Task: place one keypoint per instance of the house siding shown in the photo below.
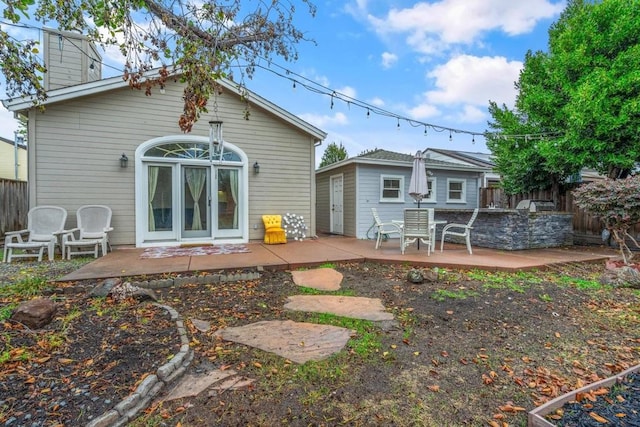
(79, 144)
(323, 199)
(69, 57)
(369, 194)
(8, 161)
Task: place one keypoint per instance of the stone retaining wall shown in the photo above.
(510, 229)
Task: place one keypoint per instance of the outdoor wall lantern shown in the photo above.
(256, 168)
(124, 160)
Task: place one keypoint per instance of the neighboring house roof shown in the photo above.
(12, 143)
(112, 83)
(478, 159)
(387, 158)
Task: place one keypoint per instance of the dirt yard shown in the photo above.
(469, 348)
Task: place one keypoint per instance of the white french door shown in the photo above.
(187, 192)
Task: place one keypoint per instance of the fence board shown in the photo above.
(14, 205)
(583, 223)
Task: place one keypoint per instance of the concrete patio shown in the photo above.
(124, 262)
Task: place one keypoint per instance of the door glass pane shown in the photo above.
(160, 198)
(228, 199)
(196, 197)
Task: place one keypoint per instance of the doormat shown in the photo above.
(171, 251)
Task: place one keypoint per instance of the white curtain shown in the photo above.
(196, 178)
(153, 183)
(233, 181)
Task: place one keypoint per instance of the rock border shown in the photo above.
(129, 408)
(175, 281)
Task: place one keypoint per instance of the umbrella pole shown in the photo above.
(418, 237)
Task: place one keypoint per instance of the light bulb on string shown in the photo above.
(368, 113)
(294, 85)
(473, 139)
(332, 101)
(450, 137)
(425, 131)
(398, 127)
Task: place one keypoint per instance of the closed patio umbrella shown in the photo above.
(418, 186)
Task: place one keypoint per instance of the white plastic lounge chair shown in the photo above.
(91, 234)
(44, 226)
(383, 228)
(460, 230)
(416, 227)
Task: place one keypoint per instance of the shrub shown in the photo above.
(617, 204)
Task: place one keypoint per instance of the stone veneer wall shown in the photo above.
(511, 229)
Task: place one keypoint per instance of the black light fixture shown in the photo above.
(256, 168)
(124, 160)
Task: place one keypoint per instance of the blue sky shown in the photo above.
(435, 62)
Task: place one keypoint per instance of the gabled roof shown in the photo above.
(381, 157)
(478, 159)
(112, 83)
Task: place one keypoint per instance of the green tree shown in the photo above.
(333, 154)
(584, 92)
(200, 40)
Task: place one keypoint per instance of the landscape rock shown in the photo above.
(122, 291)
(415, 276)
(35, 313)
(102, 289)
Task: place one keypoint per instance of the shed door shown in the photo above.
(337, 215)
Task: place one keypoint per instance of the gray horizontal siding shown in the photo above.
(79, 144)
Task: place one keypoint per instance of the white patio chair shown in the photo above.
(383, 228)
(44, 226)
(91, 234)
(460, 230)
(416, 227)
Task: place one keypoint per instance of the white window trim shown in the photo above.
(432, 198)
(463, 192)
(400, 198)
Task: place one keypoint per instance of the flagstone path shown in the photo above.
(298, 342)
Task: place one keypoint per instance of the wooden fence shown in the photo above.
(586, 228)
(14, 205)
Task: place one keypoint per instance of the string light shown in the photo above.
(319, 89)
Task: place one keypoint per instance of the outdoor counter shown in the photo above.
(511, 229)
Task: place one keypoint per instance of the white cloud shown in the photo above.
(472, 114)
(474, 80)
(348, 91)
(424, 111)
(437, 26)
(378, 102)
(388, 59)
(324, 120)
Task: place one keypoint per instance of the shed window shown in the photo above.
(456, 191)
(431, 194)
(391, 188)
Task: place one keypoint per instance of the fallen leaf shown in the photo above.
(598, 418)
(435, 388)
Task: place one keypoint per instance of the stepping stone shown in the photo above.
(353, 307)
(234, 383)
(192, 385)
(296, 341)
(323, 279)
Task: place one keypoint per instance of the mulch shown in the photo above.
(88, 359)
